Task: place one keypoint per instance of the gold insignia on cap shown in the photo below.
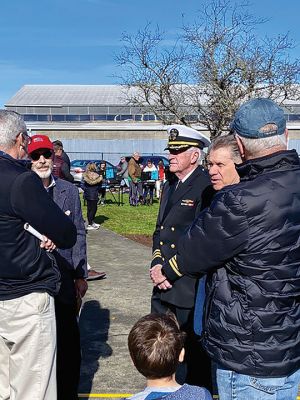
(173, 134)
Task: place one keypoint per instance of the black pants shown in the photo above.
(102, 193)
(68, 351)
(196, 368)
(91, 210)
(148, 188)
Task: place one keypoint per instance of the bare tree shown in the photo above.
(152, 71)
(215, 64)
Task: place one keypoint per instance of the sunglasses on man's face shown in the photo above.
(46, 154)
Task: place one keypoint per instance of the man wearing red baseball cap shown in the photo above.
(73, 268)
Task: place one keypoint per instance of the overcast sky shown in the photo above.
(74, 41)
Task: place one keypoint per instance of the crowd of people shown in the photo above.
(225, 307)
(142, 181)
(243, 252)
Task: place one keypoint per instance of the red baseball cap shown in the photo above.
(39, 142)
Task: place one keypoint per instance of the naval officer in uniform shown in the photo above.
(182, 200)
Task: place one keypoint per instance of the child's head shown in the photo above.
(155, 343)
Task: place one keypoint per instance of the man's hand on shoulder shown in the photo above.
(158, 278)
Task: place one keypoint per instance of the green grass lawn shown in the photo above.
(126, 220)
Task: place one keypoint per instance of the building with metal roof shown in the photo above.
(98, 119)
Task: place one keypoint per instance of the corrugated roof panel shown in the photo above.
(85, 95)
(45, 95)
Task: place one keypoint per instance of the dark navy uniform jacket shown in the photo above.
(178, 209)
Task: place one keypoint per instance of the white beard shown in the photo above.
(38, 166)
(42, 174)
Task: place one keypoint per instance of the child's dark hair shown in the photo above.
(155, 343)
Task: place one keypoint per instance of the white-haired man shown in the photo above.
(134, 178)
(72, 264)
(182, 200)
(29, 277)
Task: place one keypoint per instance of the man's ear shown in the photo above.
(195, 157)
(19, 138)
(241, 147)
(181, 355)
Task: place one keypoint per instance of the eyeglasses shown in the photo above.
(46, 154)
(26, 137)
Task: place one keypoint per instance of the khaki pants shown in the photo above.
(28, 348)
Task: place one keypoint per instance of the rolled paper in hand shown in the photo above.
(33, 231)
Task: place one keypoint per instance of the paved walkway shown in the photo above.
(110, 309)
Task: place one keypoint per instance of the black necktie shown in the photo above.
(179, 183)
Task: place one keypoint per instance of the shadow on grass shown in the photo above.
(94, 327)
(100, 219)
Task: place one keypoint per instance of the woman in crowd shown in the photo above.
(149, 186)
(91, 185)
(102, 191)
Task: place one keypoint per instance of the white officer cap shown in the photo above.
(181, 137)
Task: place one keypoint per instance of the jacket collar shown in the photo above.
(282, 160)
(178, 194)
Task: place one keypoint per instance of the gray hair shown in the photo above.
(229, 142)
(255, 146)
(200, 152)
(11, 124)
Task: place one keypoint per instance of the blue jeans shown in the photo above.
(234, 386)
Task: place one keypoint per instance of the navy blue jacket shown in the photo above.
(25, 267)
(248, 241)
(177, 211)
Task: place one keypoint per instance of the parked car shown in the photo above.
(78, 168)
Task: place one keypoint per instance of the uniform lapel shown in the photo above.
(179, 193)
(169, 189)
(59, 195)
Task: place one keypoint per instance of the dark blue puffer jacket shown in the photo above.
(248, 242)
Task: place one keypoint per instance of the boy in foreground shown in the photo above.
(156, 347)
